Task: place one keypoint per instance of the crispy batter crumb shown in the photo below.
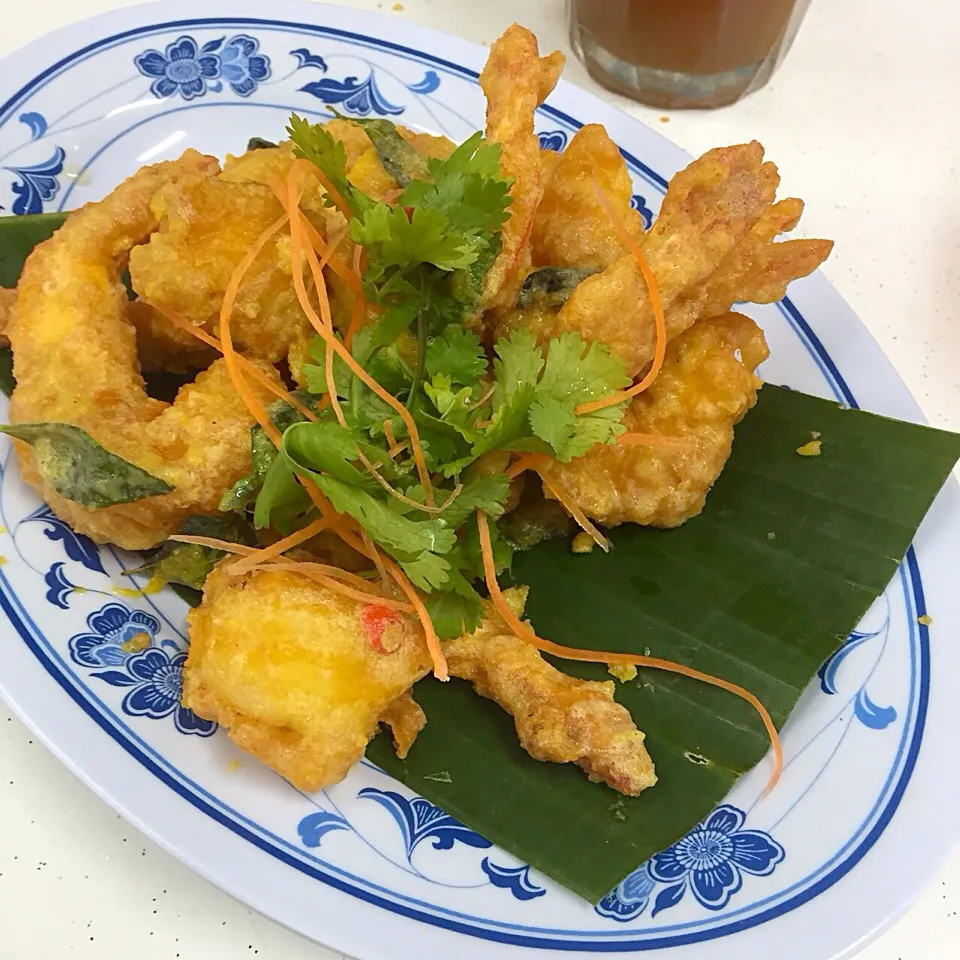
(926, 620)
(664, 119)
(810, 449)
(582, 543)
(398, 7)
(624, 672)
(816, 434)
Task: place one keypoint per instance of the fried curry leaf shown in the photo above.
(189, 564)
(398, 158)
(80, 469)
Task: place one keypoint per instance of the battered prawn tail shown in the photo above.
(75, 362)
(515, 81)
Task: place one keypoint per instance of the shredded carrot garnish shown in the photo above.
(656, 304)
(333, 343)
(352, 281)
(529, 461)
(578, 515)
(388, 433)
(230, 356)
(313, 572)
(651, 440)
(525, 632)
(251, 368)
(397, 448)
(374, 555)
(433, 642)
(358, 310)
(281, 546)
(227, 546)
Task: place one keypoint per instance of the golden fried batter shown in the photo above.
(287, 667)
(757, 270)
(206, 228)
(559, 718)
(515, 81)
(75, 361)
(709, 206)
(571, 228)
(705, 387)
(7, 296)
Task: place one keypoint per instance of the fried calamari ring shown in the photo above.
(75, 362)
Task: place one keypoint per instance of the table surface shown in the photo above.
(861, 104)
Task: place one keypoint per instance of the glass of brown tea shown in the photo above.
(684, 53)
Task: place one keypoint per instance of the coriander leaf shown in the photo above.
(396, 318)
(577, 372)
(314, 141)
(281, 499)
(453, 405)
(466, 556)
(395, 237)
(457, 354)
(386, 526)
(315, 374)
(488, 494)
(569, 435)
(245, 490)
(519, 362)
(428, 571)
(509, 422)
(80, 469)
(262, 454)
(467, 186)
(454, 614)
(323, 447)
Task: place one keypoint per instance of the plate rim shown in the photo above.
(318, 10)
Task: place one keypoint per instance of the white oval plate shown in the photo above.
(866, 809)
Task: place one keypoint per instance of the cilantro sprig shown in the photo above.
(426, 255)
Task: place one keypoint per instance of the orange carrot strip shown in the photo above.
(227, 546)
(388, 433)
(230, 356)
(656, 303)
(526, 633)
(310, 571)
(358, 310)
(433, 642)
(578, 515)
(375, 556)
(529, 461)
(251, 368)
(279, 547)
(440, 670)
(333, 343)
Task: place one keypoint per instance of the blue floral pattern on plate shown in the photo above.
(552, 140)
(36, 183)
(181, 68)
(187, 69)
(711, 859)
(355, 97)
(123, 642)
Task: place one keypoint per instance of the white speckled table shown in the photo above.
(861, 121)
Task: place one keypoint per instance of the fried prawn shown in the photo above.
(75, 362)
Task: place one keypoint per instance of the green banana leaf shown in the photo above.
(759, 589)
(783, 562)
